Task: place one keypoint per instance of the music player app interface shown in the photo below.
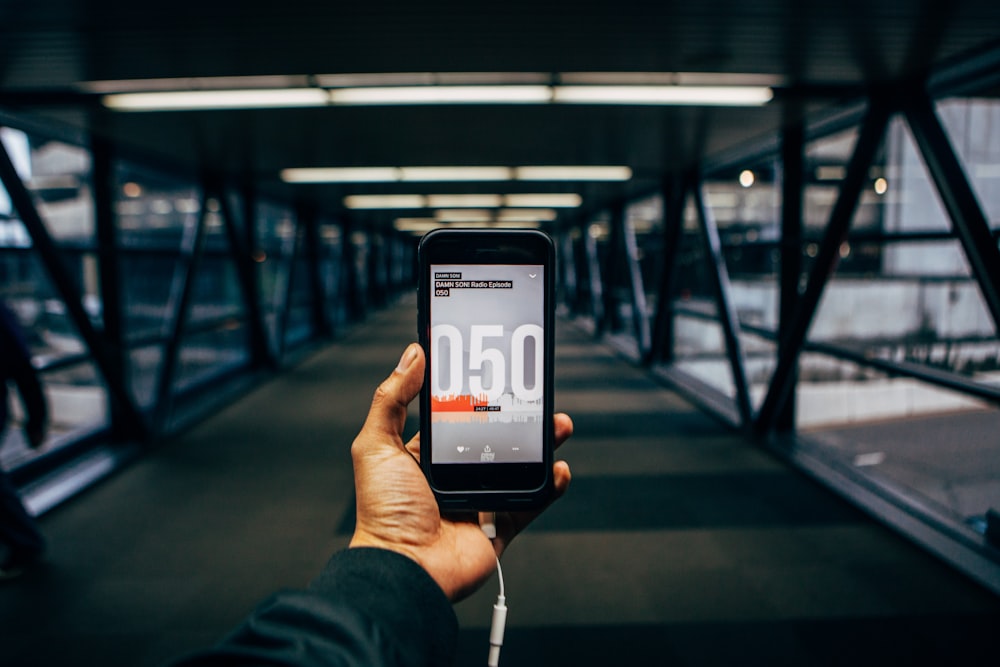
(487, 372)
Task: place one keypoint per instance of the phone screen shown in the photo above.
(487, 372)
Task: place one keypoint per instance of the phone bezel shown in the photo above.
(488, 486)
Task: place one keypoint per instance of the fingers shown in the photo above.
(387, 414)
(563, 428)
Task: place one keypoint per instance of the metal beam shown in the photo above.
(614, 257)
(792, 184)
(594, 279)
(661, 345)
(567, 266)
(321, 323)
(246, 272)
(959, 199)
(125, 423)
(782, 382)
(286, 310)
(724, 303)
(68, 290)
(640, 318)
(192, 245)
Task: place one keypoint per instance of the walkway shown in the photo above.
(678, 542)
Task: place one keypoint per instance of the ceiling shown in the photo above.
(823, 51)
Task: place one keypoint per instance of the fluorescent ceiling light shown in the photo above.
(418, 225)
(463, 215)
(555, 200)
(382, 79)
(670, 79)
(384, 201)
(419, 88)
(442, 95)
(184, 84)
(429, 174)
(665, 95)
(517, 224)
(464, 201)
(341, 175)
(573, 173)
(482, 201)
(527, 215)
(217, 99)
(469, 174)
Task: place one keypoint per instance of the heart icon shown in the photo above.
(461, 449)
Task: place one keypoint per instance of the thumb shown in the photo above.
(387, 414)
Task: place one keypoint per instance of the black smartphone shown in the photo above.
(485, 319)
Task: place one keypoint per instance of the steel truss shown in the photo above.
(774, 422)
(131, 426)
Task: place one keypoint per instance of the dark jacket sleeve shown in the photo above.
(368, 607)
(16, 365)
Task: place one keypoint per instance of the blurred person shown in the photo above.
(21, 543)
(386, 599)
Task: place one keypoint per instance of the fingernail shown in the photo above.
(409, 355)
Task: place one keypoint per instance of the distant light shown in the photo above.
(422, 88)
(132, 190)
(384, 201)
(401, 95)
(482, 201)
(429, 174)
(517, 224)
(665, 95)
(191, 100)
(415, 225)
(464, 201)
(747, 178)
(344, 175)
(456, 174)
(671, 79)
(463, 215)
(527, 215)
(881, 186)
(573, 173)
(554, 200)
(845, 250)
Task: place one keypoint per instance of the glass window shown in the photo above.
(901, 296)
(973, 124)
(276, 233)
(57, 175)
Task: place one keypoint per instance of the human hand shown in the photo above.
(396, 509)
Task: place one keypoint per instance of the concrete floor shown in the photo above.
(678, 542)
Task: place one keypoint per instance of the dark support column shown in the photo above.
(349, 275)
(594, 277)
(959, 199)
(636, 288)
(661, 349)
(286, 307)
(567, 261)
(123, 426)
(728, 318)
(792, 174)
(68, 291)
(321, 323)
(782, 382)
(180, 298)
(614, 258)
(241, 250)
